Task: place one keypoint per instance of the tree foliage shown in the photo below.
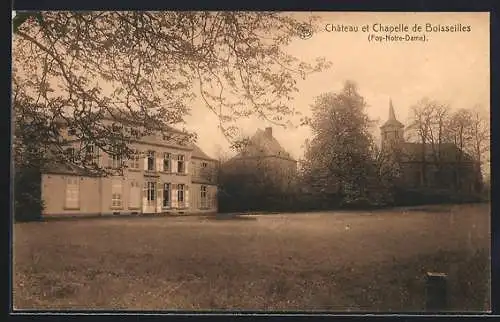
(81, 66)
(340, 153)
(434, 123)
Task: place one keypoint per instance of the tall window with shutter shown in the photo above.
(203, 197)
(134, 160)
(181, 195)
(151, 161)
(166, 162)
(150, 192)
(181, 164)
(72, 193)
(116, 161)
(92, 154)
(116, 194)
(166, 195)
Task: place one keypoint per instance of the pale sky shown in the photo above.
(452, 67)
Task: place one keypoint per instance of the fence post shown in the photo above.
(436, 291)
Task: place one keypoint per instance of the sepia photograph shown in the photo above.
(251, 161)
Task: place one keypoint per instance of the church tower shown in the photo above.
(392, 131)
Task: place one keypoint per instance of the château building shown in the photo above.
(259, 175)
(163, 176)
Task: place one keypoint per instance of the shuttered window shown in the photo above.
(166, 195)
(116, 194)
(180, 194)
(134, 159)
(72, 193)
(181, 164)
(151, 192)
(151, 161)
(204, 201)
(116, 161)
(166, 162)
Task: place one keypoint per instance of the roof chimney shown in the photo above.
(269, 131)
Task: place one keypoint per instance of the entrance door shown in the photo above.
(149, 198)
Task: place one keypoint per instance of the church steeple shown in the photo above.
(392, 130)
(392, 115)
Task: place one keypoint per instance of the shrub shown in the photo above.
(28, 203)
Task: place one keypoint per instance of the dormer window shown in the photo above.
(71, 154)
(115, 128)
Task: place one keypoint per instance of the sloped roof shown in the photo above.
(263, 144)
(199, 154)
(66, 168)
(125, 116)
(449, 152)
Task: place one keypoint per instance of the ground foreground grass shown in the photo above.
(340, 261)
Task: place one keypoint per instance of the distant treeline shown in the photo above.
(297, 202)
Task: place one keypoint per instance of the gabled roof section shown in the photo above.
(263, 143)
(199, 154)
(67, 169)
(128, 117)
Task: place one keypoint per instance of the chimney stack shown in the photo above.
(269, 131)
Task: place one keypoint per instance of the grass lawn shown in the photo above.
(371, 261)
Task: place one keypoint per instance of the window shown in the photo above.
(151, 160)
(116, 128)
(71, 154)
(180, 194)
(134, 159)
(204, 164)
(116, 194)
(116, 161)
(134, 133)
(72, 193)
(166, 162)
(166, 195)
(92, 154)
(203, 197)
(151, 192)
(180, 164)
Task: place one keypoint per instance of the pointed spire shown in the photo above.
(392, 121)
(392, 115)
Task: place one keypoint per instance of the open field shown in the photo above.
(370, 261)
